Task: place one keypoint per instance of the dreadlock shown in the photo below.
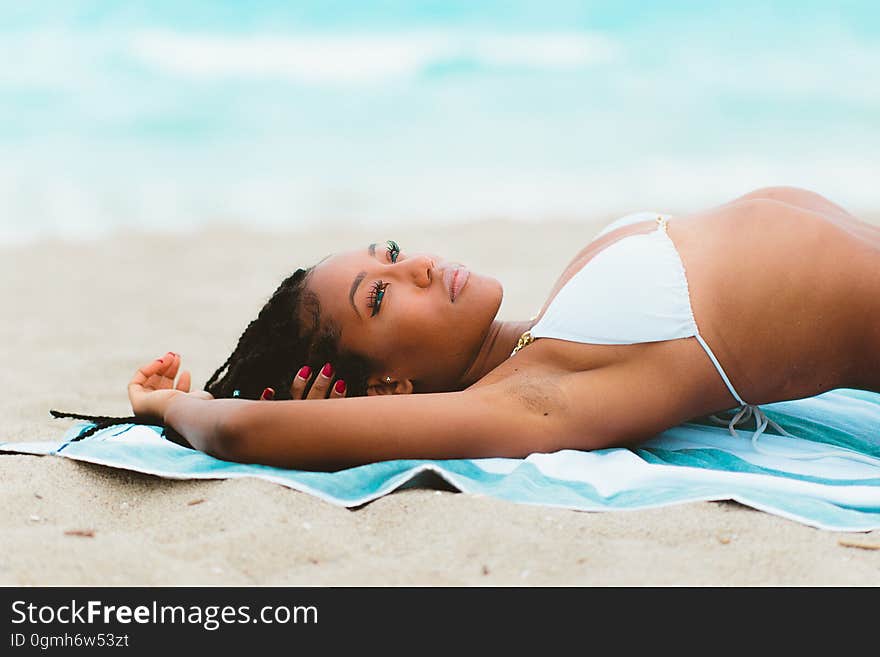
(100, 422)
(287, 334)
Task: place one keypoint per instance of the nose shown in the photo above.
(420, 268)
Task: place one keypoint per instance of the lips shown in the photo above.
(455, 278)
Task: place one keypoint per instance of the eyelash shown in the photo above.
(393, 249)
(375, 299)
(377, 291)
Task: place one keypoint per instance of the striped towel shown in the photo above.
(839, 490)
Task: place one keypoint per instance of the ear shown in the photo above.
(378, 385)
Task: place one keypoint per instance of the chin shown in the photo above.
(488, 294)
(478, 286)
(496, 288)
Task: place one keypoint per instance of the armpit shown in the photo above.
(538, 394)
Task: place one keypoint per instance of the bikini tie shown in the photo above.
(746, 411)
(761, 421)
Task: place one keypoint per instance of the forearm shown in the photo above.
(202, 422)
(303, 433)
(333, 434)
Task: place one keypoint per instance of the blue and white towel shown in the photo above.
(692, 462)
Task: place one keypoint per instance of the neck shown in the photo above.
(499, 342)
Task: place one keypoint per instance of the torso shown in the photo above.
(782, 296)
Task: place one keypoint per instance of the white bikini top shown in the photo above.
(635, 290)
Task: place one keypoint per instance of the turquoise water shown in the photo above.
(170, 115)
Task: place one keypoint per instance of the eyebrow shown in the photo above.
(357, 280)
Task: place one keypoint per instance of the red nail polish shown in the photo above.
(268, 393)
(327, 370)
(339, 387)
(304, 372)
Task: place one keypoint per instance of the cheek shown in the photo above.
(420, 323)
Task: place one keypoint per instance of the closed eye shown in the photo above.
(377, 292)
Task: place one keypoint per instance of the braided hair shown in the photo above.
(288, 333)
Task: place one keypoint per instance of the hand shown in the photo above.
(320, 387)
(152, 387)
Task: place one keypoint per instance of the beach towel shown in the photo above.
(696, 461)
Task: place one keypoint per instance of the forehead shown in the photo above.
(336, 268)
(331, 282)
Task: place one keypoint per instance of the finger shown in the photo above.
(300, 381)
(322, 383)
(268, 394)
(152, 368)
(172, 369)
(338, 389)
(184, 382)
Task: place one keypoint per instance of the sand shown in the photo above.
(77, 319)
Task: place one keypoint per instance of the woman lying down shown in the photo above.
(660, 319)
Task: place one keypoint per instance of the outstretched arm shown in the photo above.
(517, 416)
(332, 433)
(321, 435)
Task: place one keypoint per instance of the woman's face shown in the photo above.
(418, 317)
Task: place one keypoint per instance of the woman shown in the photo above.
(773, 296)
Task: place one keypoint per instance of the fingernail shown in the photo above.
(268, 393)
(304, 372)
(327, 370)
(339, 387)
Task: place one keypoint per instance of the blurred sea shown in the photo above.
(171, 115)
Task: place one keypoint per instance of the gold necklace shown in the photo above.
(524, 339)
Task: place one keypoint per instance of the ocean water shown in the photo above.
(173, 115)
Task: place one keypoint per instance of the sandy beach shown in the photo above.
(79, 318)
